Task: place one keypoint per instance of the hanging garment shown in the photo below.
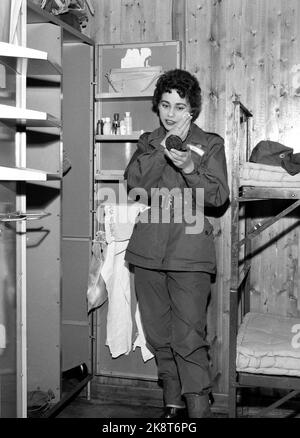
(4, 275)
(73, 12)
(118, 223)
(140, 340)
(67, 166)
(117, 281)
(57, 7)
(96, 293)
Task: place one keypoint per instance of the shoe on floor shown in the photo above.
(173, 412)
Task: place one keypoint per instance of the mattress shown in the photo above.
(262, 175)
(269, 344)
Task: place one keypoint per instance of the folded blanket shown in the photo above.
(269, 344)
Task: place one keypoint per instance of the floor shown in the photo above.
(137, 401)
(111, 401)
(82, 408)
(111, 404)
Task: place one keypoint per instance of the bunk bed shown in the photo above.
(264, 349)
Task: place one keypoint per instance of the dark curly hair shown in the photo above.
(186, 85)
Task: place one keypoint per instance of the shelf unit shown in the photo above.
(112, 154)
(68, 97)
(35, 171)
(262, 189)
(70, 35)
(34, 74)
(166, 54)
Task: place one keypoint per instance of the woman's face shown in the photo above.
(171, 109)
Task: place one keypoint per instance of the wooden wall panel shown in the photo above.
(205, 57)
(236, 48)
(270, 85)
(290, 71)
(272, 59)
(249, 50)
(205, 42)
(127, 21)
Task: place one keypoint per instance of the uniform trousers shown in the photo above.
(173, 307)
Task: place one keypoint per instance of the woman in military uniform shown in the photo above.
(174, 261)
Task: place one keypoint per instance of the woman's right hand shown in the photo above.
(181, 128)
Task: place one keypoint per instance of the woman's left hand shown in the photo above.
(181, 159)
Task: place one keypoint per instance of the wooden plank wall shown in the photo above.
(205, 57)
(244, 48)
(272, 64)
(269, 87)
(130, 21)
(251, 49)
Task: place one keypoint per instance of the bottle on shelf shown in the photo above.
(100, 125)
(123, 130)
(128, 123)
(107, 126)
(116, 124)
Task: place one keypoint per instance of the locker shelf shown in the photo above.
(134, 136)
(40, 67)
(35, 14)
(24, 174)
(15, 51)
(122, 96)
(39, 61)
(16, 115)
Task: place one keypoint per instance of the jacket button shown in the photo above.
(281, 155)
(206, 232)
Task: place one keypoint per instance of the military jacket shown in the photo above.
(180, 242)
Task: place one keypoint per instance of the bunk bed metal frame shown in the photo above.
(241, 238)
